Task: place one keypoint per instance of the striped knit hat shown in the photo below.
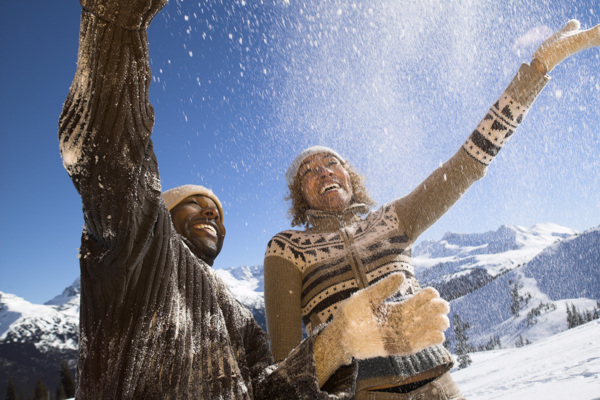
(174, 196)
(293, 168)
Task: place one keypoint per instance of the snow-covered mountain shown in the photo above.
(564, 273)
(51, 325)
(461, 263)
(247, 286)
(547, 266)
(35, 338)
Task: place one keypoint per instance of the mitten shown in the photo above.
(366, 327)
(129, 14)
(565, 43)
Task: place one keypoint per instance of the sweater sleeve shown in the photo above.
(293, 378)
(434, 196)
(283, 287)
(296, 378)
(104, 136)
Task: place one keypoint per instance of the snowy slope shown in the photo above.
(563, 366)
(567, 272)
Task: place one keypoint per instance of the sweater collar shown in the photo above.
(194, 250)
(331, 221)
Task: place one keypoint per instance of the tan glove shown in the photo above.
(129, 14)
(366, 327)
(564, 43)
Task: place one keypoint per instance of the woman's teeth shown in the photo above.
(330, 187)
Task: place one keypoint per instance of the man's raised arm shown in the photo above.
(106, 122)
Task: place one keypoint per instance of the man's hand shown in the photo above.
(564, 43)
(366, 327)
(129, 14)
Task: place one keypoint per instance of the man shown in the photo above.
(197, 216)
(155, 321)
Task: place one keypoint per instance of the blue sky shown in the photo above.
(240, 88)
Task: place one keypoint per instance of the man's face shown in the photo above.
(197, 218)
(325, 183)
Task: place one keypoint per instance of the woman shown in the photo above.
(309, 273)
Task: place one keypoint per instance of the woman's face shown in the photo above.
(325, 183)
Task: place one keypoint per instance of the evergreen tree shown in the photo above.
(40, 393)
(577, 317)
(517, 301)
(462, 347)
(60, 392)
(514, 296)
(11, 391)
(492, 344)
(66, 380)
(520, 342)
(570, 323)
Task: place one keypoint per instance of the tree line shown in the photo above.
(65, 389)
(576, 317)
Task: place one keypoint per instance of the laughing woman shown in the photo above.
(345, 247)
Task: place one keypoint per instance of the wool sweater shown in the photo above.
(155, 321)
(309, 273)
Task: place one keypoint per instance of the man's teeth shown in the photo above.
(206, 227)
(330, 187)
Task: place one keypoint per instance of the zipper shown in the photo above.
(353, 258)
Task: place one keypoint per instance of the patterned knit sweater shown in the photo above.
(155, 321)
(309, 273)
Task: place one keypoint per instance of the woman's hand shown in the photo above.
(374, 328)
(366, 326)
(563, 44)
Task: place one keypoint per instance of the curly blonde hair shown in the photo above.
(299, 204)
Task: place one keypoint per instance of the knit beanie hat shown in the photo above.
(293, 168)
(174, 196)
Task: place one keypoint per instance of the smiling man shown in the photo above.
(197, 216)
